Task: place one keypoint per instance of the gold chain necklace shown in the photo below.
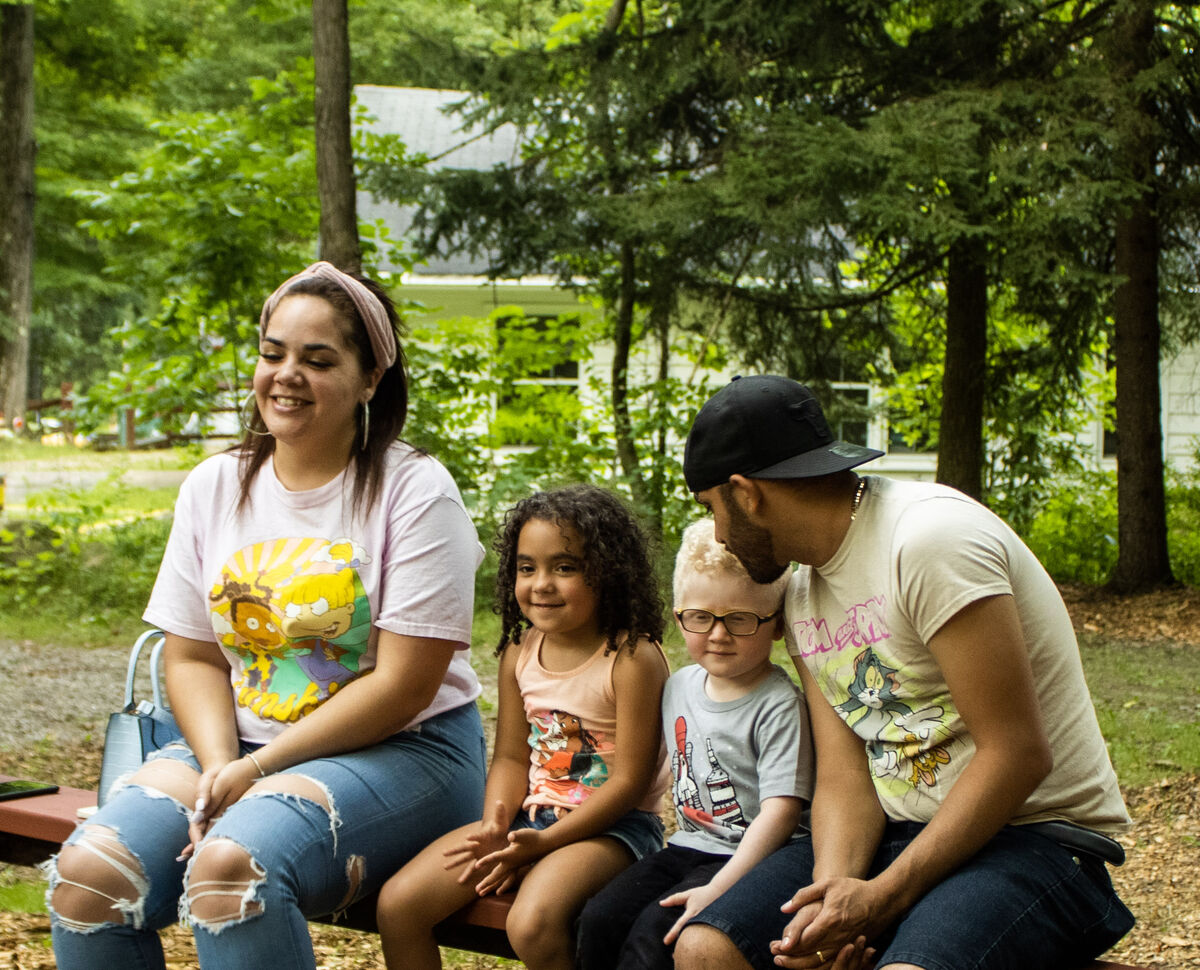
(858, 494)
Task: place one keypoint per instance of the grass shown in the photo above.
(19, 895)
(1147, 700)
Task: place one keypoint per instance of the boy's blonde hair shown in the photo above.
(701, 554)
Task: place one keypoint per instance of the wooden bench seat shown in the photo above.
(32, 829)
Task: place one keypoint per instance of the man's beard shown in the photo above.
(751, 544)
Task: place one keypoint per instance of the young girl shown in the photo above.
(577, 775)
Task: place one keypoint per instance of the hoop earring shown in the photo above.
(246, 423)
(366, 425)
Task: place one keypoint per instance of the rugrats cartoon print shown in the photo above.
(897, 737)
(295, 614)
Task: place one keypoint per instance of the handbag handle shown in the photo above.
(155, 653)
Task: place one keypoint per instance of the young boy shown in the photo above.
(741, 757)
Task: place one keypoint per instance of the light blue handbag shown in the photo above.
(139, 727)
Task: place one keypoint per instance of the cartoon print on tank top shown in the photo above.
(295, 612)
(569, 764)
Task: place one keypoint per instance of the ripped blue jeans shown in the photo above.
(387, 802)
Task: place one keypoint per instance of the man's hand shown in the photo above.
(834, 920)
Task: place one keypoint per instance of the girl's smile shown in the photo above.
(550, 585)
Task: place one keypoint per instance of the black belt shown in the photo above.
(1079, 839)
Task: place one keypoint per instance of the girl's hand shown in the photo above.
(692, 900)
(489, 838)
(219, 787)
(509, 864)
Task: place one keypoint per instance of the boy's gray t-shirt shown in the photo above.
(728, 756)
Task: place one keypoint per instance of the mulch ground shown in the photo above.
(1160, 880)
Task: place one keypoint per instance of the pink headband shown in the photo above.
(379, 327)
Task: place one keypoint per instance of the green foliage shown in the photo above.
(85, 560)
(1075, 532)
(23, 897)
(96, 65)
(1183, 524)
(476, 394)
(227, 205)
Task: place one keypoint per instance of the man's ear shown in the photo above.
(748, 493)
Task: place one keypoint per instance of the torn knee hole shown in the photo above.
(222, 884)
(97, 879)
(288, 784)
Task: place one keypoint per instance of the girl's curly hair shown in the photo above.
(617, 563)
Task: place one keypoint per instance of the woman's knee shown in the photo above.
(222, 885)
(97, 879)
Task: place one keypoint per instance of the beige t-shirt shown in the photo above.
(915, 555)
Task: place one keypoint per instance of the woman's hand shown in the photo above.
(219, 787)
(487, 839)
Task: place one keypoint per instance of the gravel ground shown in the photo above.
(62, 694)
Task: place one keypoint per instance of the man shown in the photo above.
(962, 781)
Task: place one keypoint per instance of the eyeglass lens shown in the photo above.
(739, 624)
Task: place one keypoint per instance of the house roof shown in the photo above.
(424, 120)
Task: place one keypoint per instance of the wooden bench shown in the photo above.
(33, 828)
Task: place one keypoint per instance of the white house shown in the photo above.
(456, 287)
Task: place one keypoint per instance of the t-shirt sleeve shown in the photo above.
(428, 584)
(948, 558)
(784, 746)
(178, 598)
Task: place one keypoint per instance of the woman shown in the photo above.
(320, 550)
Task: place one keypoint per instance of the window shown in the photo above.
(850, 413)
(538, 374)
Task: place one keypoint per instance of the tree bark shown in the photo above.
(17, 151)
(338, 226)
(1142, 557)
(960, 436)
(627, 454)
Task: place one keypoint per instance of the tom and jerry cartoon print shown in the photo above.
(295, 614)
(891, 697)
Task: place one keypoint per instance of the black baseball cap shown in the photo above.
(764, 426)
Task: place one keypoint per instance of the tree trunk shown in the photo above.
(1142, 559)
(338, 226)
(960, 437)
(627, 455)
(17, 150)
